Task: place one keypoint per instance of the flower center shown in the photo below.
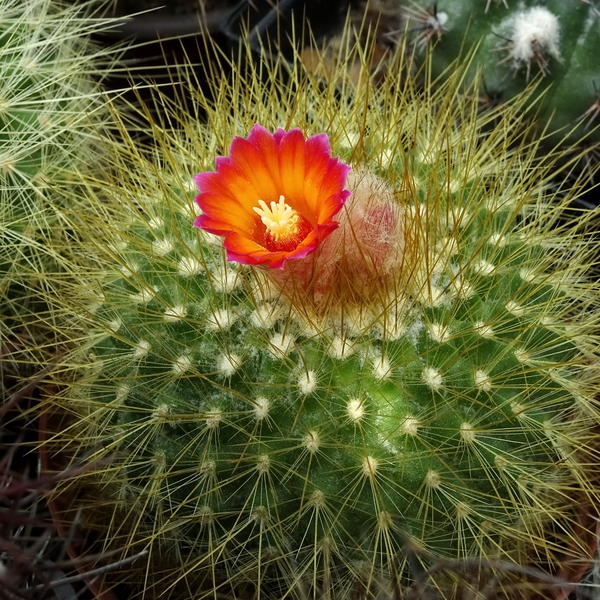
(280, 219)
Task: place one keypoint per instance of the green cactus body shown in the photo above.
(257, 438)
(437, 417)
(515, 43)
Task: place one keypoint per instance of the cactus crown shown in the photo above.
(426, 381)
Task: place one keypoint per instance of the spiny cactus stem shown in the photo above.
(423, 375)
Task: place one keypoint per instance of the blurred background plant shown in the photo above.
(555, 42)
(50, 94)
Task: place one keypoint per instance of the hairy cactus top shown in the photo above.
(422, 383)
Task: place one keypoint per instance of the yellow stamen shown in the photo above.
(280, 219)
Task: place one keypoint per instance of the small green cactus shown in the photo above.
(423, 378)
(516, 42)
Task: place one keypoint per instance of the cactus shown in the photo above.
(48, 89)
(416, 378)
(517, 42)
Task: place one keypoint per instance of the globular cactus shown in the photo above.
(517, 42)
(408, 370)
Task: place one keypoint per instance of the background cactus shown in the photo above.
(49, 110)
(517, 42)
(49, 73)
(272, 441)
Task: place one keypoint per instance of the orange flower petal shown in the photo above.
(234, 183)
(292, 169)
(268, 145)
(249, 160)
(226, 214)
(315, 171)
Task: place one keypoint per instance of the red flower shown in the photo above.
(274, 197)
